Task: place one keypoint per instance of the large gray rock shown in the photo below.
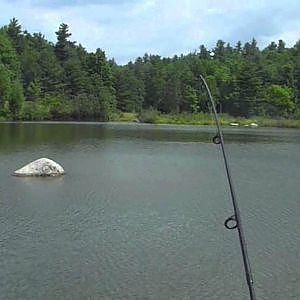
(41, 167)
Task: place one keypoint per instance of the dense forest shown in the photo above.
(41, 80)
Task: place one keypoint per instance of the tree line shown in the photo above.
(41, 80)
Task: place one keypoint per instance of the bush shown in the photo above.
(34, 111)
(4, 111)
(148, 116)
(59, 108)
(124, 117)
(297, 114)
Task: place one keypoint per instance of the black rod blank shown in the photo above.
(236, 218)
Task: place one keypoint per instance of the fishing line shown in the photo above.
(234, 221)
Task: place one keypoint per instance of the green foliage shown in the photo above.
(4, 111)
(172, 91)
(15, 33)
(63, 81)
(107, 103)
(34, 111)
(5, 84)
(280, 100)
(186, 118)
(148, 116)
(16, 99)
(59, 108)
(124, 117)
(75, 78)
(34, 91)
(226, 120)
(296, 115)
(154, 80)
(129, 90)
(8, 56)
(190, 99)
(84, 108)
(62, 45)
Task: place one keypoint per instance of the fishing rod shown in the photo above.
(233, 221)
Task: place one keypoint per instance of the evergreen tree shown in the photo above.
(249, 90)
(130, 91)
(220, 50)
(238, 48)
(14, 31)
(52, 75)
(154, 82)
(76, 79)
(172, 95)
(62, 45)
(65, 81)
(16, 99)
(204, 53)
(281, 46)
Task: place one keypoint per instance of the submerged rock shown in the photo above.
(41, 167)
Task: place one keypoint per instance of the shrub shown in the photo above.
(124, 117)
(4, 111)
(59, 108)
(148, 116)
(34, 111)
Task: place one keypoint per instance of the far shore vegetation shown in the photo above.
(62, 81)
(155, 117)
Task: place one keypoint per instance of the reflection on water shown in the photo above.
(61, 133)
(139, 214)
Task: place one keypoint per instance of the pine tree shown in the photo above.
(130, 91)
(16, 99)
(14, 31)
(203, 53)
(154, 82)
(220, 50)
(171, 97)
(249, 90)
(62, 45)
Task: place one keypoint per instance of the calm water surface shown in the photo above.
(140, 212)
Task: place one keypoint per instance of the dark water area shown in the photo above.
(140, 212)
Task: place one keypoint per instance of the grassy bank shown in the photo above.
(153, 117)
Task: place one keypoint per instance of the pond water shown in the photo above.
(140, 212)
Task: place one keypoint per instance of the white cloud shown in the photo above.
(127, 29)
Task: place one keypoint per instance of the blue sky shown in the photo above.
(126, 29)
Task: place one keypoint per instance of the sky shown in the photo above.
(126, 29)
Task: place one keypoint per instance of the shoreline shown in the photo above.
(203, 119)
(183, 119)
(73, 122)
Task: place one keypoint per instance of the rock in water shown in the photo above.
(41, 167)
